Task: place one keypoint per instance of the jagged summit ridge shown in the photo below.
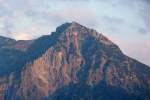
(80, 31)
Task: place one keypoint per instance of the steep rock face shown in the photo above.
(77, 63)
(8, 86)
(83, 57)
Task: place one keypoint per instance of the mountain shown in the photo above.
(73, 63)
(6, 41)
(10, 53)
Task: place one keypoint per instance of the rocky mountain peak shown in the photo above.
(73, 63)
(74, 29)
(75, 24)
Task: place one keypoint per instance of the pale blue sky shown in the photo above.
(125, 22)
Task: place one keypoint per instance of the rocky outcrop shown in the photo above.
(77, 64)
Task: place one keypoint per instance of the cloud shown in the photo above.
(108, 15)
(126, 22)
(77, 13)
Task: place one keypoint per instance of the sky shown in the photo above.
(125, 22)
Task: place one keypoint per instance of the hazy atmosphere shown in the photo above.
(125, 22)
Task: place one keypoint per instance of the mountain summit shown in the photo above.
(73, 63)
